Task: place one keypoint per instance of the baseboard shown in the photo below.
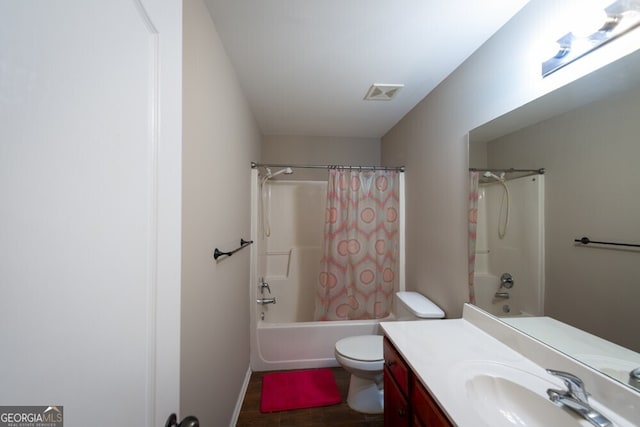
(243, 391)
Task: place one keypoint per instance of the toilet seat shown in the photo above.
(363, 352)
(365, 348)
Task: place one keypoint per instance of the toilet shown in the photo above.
(362, 356)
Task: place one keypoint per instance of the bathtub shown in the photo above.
(304, 345)
(285, 336)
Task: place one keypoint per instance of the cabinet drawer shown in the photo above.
(396, 366)
(425, 409)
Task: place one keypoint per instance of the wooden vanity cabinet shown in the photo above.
(406, 401)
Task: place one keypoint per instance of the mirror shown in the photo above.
(586, 136)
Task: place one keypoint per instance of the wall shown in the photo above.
(431, 140)
(311, 150)
(590, 155)
(220, 138)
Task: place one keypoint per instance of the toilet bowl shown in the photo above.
(362, 355)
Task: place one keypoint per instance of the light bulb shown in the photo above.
(587, 21)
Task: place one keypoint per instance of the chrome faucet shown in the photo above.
(265, 301)
(576, 398)
(501, 295)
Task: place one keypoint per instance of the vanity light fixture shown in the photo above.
(619, 17)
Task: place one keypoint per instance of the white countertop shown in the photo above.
(442, 353)
(439, 351)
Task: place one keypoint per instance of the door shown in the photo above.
(90, 208)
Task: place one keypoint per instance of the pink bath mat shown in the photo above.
(282, 391)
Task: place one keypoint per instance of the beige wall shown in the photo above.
(220, 138)
(312, 150)
(431, 141)
(591, 158)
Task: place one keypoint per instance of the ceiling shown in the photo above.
(305, 66)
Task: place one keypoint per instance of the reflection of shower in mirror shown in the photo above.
(520, 251)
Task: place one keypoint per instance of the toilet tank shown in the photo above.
(415, 306)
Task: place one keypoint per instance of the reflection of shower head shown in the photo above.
(489, 174)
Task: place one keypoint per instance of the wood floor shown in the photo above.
(336, 416)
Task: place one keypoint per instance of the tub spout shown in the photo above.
(264, 301)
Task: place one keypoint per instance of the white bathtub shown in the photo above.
(303, 345)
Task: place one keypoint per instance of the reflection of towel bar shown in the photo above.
(586, 241)
(243, 244)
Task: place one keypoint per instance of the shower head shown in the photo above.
(286, 171)
(268, 175)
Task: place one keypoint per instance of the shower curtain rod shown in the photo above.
(540, 171)
(375, 168)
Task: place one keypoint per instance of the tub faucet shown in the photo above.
(576, 398)
(501, 295)
(265, 301)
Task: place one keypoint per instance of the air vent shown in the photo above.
(382, 92)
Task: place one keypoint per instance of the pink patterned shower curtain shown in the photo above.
(358, 274)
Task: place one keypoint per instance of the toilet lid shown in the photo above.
(367, 348)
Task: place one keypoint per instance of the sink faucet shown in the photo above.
(576, 398)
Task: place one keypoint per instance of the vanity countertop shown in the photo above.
(445, 353)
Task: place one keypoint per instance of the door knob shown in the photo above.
(189, 421)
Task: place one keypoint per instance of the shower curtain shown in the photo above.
(358, 272)
(473, 226)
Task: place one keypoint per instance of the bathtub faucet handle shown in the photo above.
(264, 285)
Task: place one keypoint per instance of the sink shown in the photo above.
(506, 396)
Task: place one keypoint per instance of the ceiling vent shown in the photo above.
(382, 92)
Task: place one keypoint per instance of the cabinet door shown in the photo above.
(396, 408)
(425, 410)
(396, 366)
